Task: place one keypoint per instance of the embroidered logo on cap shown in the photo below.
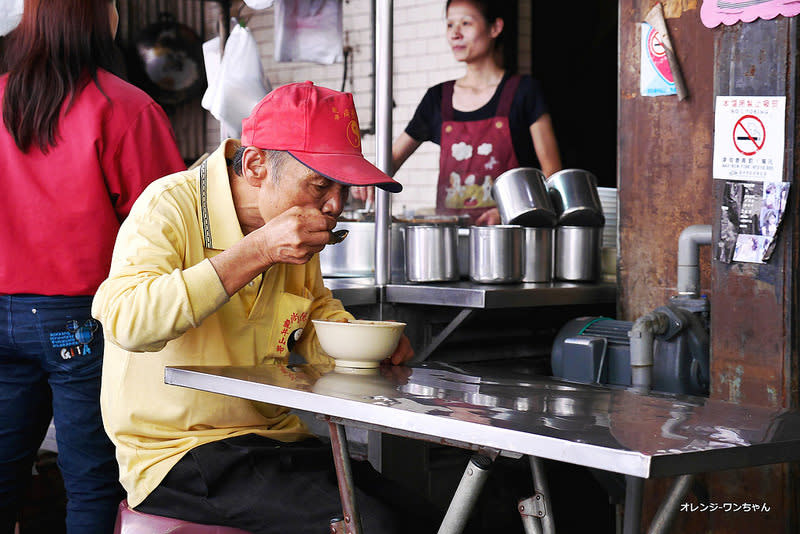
(353, 134)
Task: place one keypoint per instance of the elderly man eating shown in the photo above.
(208, 269)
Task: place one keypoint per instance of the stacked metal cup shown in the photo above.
(579, 225)
(522, 199)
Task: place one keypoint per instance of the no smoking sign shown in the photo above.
(749, 135)
(749, 138)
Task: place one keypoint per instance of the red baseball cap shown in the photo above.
(319, 127)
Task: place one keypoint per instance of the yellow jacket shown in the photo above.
(163, 304)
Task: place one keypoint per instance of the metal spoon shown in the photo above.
(338, 236)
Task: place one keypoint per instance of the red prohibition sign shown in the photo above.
(655, 46)
(754, 133)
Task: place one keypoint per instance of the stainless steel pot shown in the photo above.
(431, 252)
(577, 255)
(463, 252)
(495, 254)
(538, 255)
(355, 256)
(575, 198)
(522, 198)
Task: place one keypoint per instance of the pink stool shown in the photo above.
(129, 521)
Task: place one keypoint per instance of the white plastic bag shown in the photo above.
(308, 30)
(259, 4)
(236, 83)
(10, 15)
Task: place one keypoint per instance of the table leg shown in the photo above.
(540, 488)
(466, 494)
(530, 520)
(634, 488)
(669, 507)
(344, 476)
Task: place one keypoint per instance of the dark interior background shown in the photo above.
(575, 59)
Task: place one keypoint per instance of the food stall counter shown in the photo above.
(467, 294)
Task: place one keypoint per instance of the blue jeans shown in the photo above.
(51, 358)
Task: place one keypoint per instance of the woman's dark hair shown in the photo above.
(56, 49)
(491, 11)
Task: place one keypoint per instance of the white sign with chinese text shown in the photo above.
(749, 137)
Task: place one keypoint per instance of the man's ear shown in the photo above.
(254, 166)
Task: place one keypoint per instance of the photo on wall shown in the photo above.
(750, 218)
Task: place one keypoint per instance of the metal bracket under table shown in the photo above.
(462, 316)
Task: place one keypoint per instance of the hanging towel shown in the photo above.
(237, 82)
(308, 30)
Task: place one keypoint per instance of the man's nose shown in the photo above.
(334, 204)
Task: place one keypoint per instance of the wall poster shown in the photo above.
(751, 213)
(715, 12)
(749, 136)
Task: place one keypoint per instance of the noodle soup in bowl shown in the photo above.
(358, 343)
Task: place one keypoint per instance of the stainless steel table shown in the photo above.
(617, 430)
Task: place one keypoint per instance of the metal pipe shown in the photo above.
(642, 334)
(689, 257)
(634, 489)
(466, 494)
(531, 524)
(669, 506)
(540, 486)
(344, 476)
(383, 137)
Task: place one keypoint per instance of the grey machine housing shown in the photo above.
(597, 350)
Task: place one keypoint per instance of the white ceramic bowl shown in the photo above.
(358, 343)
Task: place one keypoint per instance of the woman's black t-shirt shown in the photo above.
(526, 108)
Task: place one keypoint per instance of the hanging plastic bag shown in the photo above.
(236, 83)
(308, 30)
(10, 15)
(259, 4)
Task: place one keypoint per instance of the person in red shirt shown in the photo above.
(78, 146)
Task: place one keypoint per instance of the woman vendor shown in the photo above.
(486, 122)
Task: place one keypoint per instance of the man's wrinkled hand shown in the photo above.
(402, 353)
(295, 235)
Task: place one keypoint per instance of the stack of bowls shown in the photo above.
(523, 201)
(608, 200)
(580, 224)
(608, 262)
